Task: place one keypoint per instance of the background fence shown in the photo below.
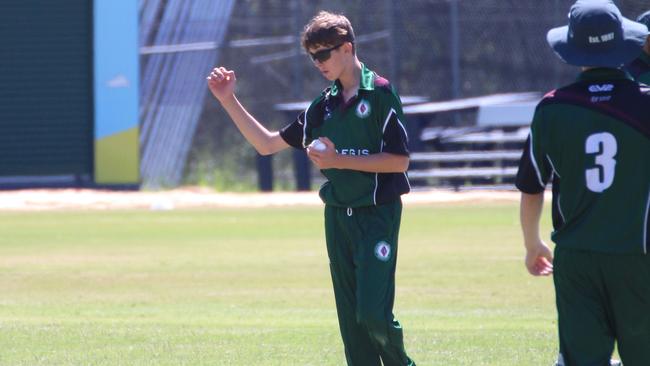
(437, 49)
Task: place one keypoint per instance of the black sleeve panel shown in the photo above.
(528, 176)
(293, 133)
(394, 136)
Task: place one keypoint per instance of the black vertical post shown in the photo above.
(454, 39)
(394, 41)
(455, 49)
(301, 164)
(265, 172)
(302, 168)
(557, 15)
(414, 130)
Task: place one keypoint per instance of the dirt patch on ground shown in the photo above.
(88, 199)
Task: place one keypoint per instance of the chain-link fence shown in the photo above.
(438, 49)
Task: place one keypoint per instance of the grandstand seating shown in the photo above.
(482, 154)
(475, 159)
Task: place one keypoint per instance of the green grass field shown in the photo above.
(252, 287)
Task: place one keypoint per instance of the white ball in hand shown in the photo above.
(317, 145)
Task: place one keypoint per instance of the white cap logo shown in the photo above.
(602, 38)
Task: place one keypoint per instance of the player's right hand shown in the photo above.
(221, 83)
(539, 259)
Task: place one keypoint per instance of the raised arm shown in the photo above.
(221, 83)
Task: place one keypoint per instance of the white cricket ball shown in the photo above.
(317, 145)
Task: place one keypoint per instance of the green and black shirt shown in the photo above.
(369, 123)
(640, 68)
(592, 139)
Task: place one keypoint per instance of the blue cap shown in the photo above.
(644, 19)
(597, 35)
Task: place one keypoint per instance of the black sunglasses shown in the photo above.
(324, 55)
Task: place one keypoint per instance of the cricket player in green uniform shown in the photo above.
(363, 153)
(591, 139)
(640, 68)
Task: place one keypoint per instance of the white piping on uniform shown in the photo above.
(559, 206)
(407, 180)
(304, 129)
(374, 193)
(407, 138)
(552, 166)
(532, 158)
(645, 225)
(403, 128)
(383, 129)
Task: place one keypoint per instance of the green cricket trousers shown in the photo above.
(362, 249)
(602, 298)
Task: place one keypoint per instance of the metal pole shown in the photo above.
(455, 49)
(265, 173)
(393, 41)
(296, 9)
(556, 65)
(301, 165)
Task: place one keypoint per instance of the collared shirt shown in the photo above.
(369, 123)
(640, 68)
(592, 140)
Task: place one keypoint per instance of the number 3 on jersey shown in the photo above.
(602, 176)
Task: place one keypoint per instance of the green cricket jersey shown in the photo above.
(592, 139)
(369, 123)
(640, 68)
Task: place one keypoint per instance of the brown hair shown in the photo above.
(327, 29)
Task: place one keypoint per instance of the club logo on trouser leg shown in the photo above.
(382, 251)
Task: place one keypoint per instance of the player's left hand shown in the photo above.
(325, 159)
